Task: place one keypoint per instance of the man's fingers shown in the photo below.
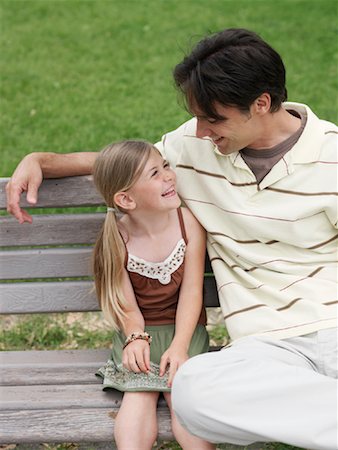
(27, 177)
(13, 199)
(13, 203)
(32, 193)
(17, 212)
(25, 217)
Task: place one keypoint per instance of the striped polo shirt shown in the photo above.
(273, 244)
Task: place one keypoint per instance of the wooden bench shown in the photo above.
(54, 396)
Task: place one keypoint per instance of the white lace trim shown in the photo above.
(158, 271)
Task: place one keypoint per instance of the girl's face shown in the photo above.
(155, 189)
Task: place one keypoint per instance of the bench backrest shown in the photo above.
(46, 266)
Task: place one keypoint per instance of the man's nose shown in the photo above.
(202, 130)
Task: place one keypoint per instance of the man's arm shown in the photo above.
(34, 167)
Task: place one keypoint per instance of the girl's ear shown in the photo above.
(124, 201)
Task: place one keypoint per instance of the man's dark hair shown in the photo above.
(232, 67)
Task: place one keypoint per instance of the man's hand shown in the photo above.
(36, 166)
(27, 177)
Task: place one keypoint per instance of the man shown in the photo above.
(261, 177)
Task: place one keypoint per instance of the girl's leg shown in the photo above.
(186, 440)
(136, 423)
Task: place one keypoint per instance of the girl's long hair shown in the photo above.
(116, 169)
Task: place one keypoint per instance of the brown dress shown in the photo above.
(156, 287)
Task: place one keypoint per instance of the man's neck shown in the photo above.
(276, 128)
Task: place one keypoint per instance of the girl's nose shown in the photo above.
(169, 175)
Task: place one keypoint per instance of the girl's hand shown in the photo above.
(136, 356)
(174, 357)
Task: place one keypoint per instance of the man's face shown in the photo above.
(236, 129)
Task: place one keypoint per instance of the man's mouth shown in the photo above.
(217, 140)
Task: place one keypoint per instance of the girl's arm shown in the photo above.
(136, 355)
(191, 296)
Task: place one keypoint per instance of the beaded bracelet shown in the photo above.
(134, 336)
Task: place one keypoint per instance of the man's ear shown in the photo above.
(262, 104)
(124, 201)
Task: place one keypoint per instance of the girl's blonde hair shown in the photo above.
(116, 169)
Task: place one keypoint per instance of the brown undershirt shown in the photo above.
(261, 161)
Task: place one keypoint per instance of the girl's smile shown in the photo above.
(156, 183)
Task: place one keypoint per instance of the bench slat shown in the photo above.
(39, 367)
(45, 263)
(76, 358)
(65, 296)
(60, 192)
(61, 396)
(58, 397)
(58, 229)
(49, 375)
(87, 425)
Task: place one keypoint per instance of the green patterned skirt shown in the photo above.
(115, 376)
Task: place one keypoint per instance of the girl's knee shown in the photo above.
(137, 409)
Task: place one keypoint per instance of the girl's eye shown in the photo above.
(154, 173)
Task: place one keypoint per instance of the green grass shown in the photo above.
(78, 74)
(65, 331)
(54, 331)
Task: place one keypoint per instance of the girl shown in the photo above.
(146, 242)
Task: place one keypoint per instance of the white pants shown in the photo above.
(263, 390)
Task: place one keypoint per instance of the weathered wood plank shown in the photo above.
(38, 367)
(60, 192)
(45, 263)
(61, 397)
(49, 375)
(68, 425)
(65, 296)
(82, 357)
(60, 229)
(58, 397)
